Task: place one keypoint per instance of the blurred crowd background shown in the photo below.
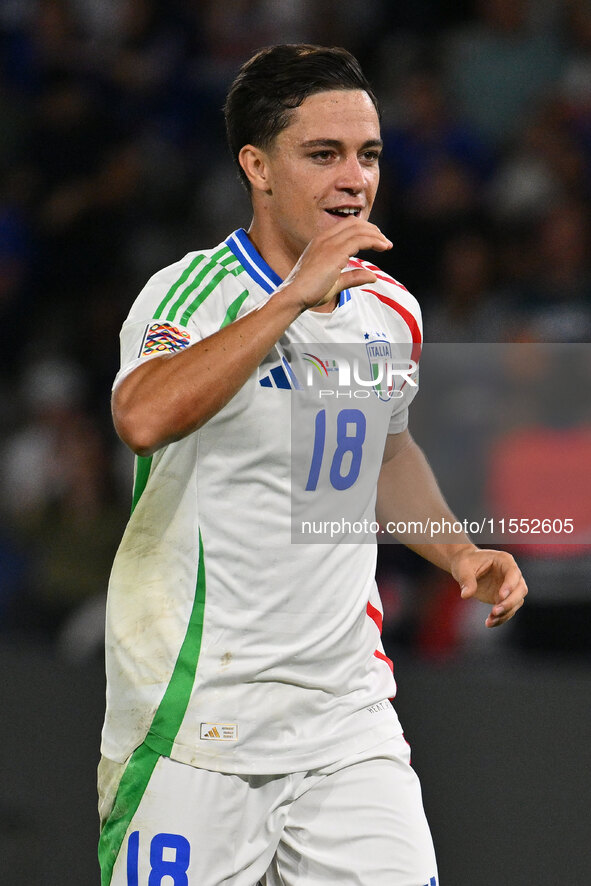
(113, 164)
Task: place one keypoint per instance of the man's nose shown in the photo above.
(351, 175)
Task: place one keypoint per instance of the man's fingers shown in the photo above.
(354, 235)
(512, 578)
(493, 577)
(513, 589)
(357, 277)
(348, 279)
(356, 241)
(494, 620)
(511, 601)
(329, 254)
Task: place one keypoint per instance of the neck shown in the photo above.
(275, 252)
(280, 258)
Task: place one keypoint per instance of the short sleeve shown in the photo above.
(179, 306)
(144, 339)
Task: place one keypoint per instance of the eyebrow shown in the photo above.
(335, 143)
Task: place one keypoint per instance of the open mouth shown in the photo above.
(345, 211)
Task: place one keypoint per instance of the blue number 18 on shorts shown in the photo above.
(170, 855)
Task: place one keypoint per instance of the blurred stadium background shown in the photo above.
(112, 164)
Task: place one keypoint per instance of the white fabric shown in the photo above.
(290, 662)
(356, 823)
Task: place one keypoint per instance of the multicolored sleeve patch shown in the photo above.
(162, 338)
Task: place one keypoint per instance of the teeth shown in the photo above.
(344, 211)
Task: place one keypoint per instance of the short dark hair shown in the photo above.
(275, 81)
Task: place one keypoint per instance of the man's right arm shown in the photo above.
(167, 398)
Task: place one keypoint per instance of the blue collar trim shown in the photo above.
(256, 266)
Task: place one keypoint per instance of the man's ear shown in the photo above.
(256, 168)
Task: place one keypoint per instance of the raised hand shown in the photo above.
(318, 275)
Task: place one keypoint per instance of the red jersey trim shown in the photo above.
(408, 319)
(385, 658)
(381, 275)
(375, 615)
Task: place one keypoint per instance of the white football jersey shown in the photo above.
(232, 644)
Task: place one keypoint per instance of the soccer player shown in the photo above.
(249, 734)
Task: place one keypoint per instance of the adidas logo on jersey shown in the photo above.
(282, 377)
(219, 732)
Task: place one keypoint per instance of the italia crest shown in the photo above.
(381, 364)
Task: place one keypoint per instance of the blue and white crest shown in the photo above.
(381, 364)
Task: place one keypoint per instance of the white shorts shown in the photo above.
(356, 823)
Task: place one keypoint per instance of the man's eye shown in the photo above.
(322, 155)
(371, 156)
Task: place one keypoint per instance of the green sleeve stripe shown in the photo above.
(181, 280)
(224, 251)
(232, 311)
(132, 787)
(142, 472)
(232, 264)
(213, 283)
(227, 254)
(182, 299)
(230, 260)
(171, 711)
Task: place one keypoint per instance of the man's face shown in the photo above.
(323, 166)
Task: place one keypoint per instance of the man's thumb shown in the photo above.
(467, 585)
(358, 277)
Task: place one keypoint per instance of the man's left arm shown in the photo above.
(408, 494)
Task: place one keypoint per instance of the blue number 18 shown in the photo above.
(346, 442)
(159, 866)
